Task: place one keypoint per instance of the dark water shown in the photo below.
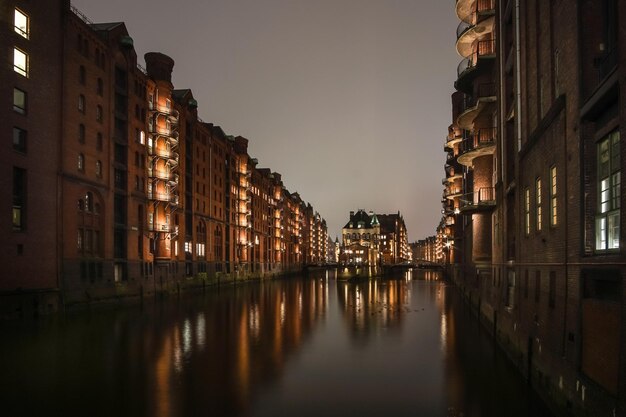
(297, 347)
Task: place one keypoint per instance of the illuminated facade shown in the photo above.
(532, 193)
(394, 244)
(118, 187)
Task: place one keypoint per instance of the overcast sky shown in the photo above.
(348, 99)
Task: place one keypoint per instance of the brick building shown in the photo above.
(118, 187)
(533, 190)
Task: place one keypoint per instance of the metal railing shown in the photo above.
(478, 139)
(80, 15)
(485, 196)
(483, 48)
(480, 7)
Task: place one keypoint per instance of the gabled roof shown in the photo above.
(361, 217)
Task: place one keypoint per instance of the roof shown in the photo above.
(363, 219)
(105, 26)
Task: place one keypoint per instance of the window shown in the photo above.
(99, 113)
(20, 62)
(527, 211)
(538, 203)
(82, 75)
(80, 239)
(19, 139)
(81, 103)
(21, 24)
(99, 169)
(553, 198)
(609, 181)
(100, 88)
(19, 199)
(19, 101)
(81, 162)
(81, 133)
(99, 141)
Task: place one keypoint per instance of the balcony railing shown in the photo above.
(485, 197)
(480, 138)
(483, 49)
(480, 7)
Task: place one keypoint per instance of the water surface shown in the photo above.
(293, 347)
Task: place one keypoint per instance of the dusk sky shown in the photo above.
(348, 99)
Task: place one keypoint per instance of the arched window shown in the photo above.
(89, 202)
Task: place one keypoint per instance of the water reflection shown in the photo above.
(403, 346)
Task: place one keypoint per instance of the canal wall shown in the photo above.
(80, 294)
(531, 348)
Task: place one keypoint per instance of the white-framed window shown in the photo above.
(609, 195)
(22, 23)
(554, 214)
(20, 62)
(538, 207)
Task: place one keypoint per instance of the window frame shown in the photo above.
(25, 33)
(608, 207)
(538, 205)
(20, 110)
(554, 208)
(16, 68)
(21, 145)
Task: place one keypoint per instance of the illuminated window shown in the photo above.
(527, 211)
(21, 24)
(19, 199)
(19, 101)
(81, 162)
(538, 203)
(20, 62)
(609, 196)
(19, 139)
(553, 198)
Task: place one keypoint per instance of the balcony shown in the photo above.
(475, 26)
(481, 142)
(164, 197)
(466, 8)
(161, 175)
(170, 113)
(472, 106)
(482, 200)
(469, 68)
(450, 141)
(452, 192)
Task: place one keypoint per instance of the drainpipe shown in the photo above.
(518, 77)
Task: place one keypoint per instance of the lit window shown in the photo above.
(19, 139)
(538, 203)
(20, 62)
(553, 198)
(19, 101)
(609, 182)
(21, 23)
(81, 162)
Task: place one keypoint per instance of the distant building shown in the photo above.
(360, 239)
(393, 244)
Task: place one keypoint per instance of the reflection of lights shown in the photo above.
(282, 312)
(200, 330)
(186, 336)
(253, 320)
(300, 304)
(444, 331)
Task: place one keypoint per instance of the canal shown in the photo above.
(294, 347)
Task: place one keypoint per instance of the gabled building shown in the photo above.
(361, 236)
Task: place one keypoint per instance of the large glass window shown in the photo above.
(538, 207)
(554, 219)
(19, 139)
(21, 23)
(19, 101)
(609, 182)
(20, 62)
